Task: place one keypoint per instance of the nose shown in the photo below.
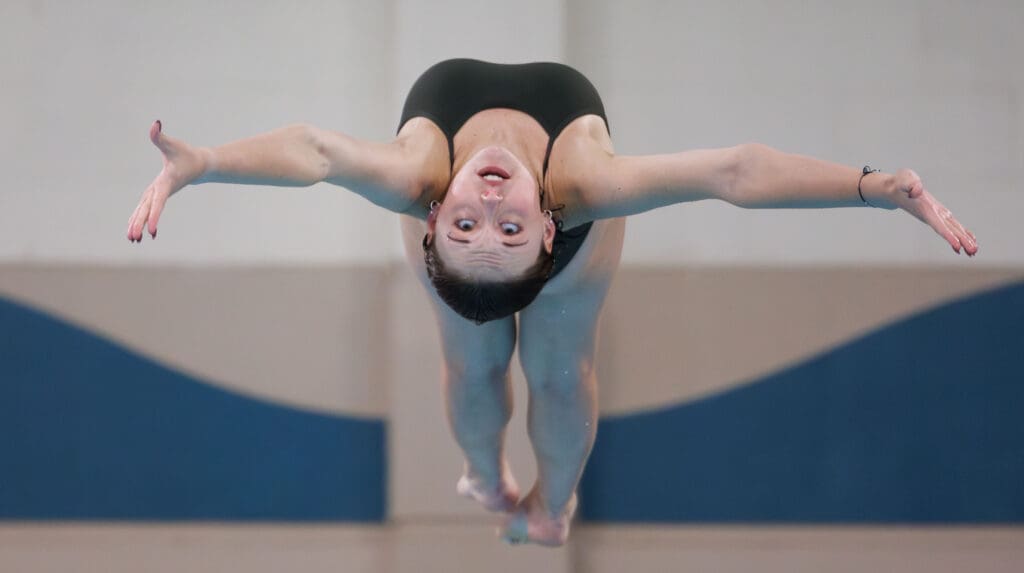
(490, 194)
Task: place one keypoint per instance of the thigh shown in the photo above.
(558, 336)
(468, 349)
(558, 330)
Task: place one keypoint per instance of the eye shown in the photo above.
(510, 228)
(464, 224)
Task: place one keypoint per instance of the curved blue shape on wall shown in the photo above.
(89, 430)
(920, 422)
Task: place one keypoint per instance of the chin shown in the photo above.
(497, 156)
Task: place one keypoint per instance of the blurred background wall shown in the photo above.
(787, 390)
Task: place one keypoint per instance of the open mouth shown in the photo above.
(493, 173)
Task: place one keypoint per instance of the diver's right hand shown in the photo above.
(183, 164)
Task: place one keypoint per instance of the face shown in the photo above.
(490, 226)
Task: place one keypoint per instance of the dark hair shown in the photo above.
(482, 301)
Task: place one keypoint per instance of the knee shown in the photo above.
(486, 365)
(561, 381)
(475, 379)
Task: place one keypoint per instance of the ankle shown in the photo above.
(554, 510)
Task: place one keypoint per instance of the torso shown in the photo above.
(553, 118)
(583, 141)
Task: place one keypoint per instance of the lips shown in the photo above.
(492, 171)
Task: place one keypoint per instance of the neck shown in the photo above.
(513, 130)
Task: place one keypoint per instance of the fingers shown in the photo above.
(943, 228)
(156, 135)
(135, 214)
(955, 234)
(965, 237)
(951, 238)
(148, 211)
(138, 219)
(154, 132)
(167, 145)
(154, 214)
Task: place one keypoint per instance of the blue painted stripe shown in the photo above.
(920, 422)
(89, 430)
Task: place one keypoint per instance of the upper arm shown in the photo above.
(393, 175)
(619, 185)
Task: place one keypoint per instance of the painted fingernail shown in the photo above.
(159, 125)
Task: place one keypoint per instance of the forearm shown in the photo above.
(768, 178)
(289, 156)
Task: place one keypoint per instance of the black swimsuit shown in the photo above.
(451, 92)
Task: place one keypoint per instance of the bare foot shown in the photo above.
(533, 523)
(502, 496)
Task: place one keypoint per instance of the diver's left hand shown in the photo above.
(904, 190)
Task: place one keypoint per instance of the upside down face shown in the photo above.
(490, 226)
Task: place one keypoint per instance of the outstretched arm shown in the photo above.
(757, 176)
(388, 174)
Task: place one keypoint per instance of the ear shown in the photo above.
(431, 226)
(549, 235)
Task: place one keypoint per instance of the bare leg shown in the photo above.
(562, 426)
(556, 349)
(477, 394)
(479, 407)
(557, 342)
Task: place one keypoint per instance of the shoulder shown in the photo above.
(579, 167)
(423, 149)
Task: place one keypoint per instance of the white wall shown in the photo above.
(931, 85)
(89, 78)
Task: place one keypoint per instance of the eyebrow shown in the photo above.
(464, 241)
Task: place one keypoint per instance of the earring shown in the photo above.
(434, 205)
(547, 214)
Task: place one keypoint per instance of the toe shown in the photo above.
(515, 530)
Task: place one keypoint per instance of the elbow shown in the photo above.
(317, 141)
(741, 180)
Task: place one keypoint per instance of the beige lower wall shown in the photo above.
(446, 547)
(674, 335)
(309, 337)
(798, 550)
(335, 339)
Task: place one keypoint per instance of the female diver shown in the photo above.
(513, 200)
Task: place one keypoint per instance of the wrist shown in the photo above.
(876, 188)
(207, 165)
(879, 189)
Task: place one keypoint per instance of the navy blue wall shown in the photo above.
(89, 430)
(919, 422)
